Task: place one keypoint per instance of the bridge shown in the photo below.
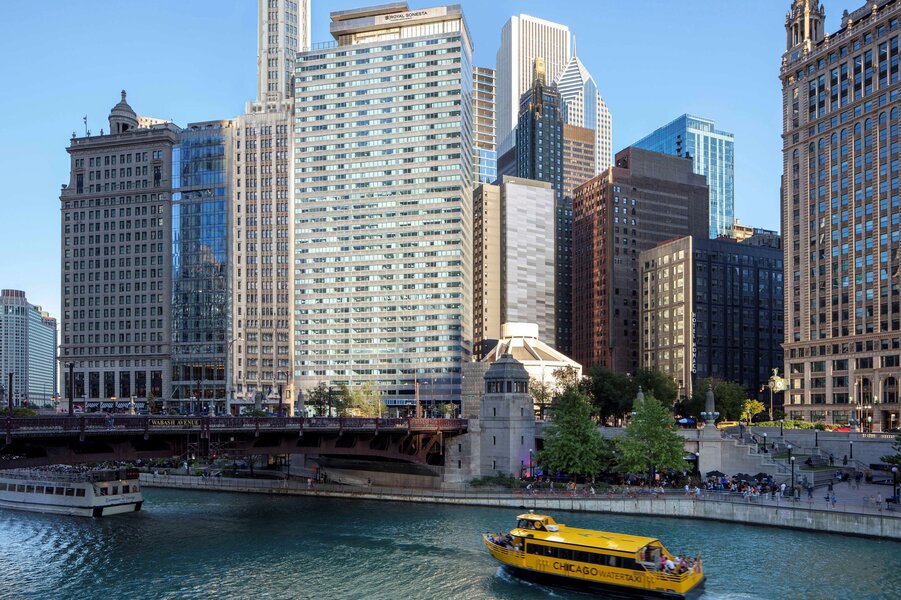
(36, 441)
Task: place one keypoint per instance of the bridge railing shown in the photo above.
(98, 422)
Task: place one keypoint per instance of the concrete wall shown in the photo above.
(868, 447)
(875, 524)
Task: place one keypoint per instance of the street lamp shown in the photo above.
(850, 448)
(789, 446)
(531, 470)
(781, 423)
(895, 483)
(764, 441)
(816, 438)
(792, 461)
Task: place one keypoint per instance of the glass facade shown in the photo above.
(27, 350)
(201, 323)
(713, 156)
(484, 147)
(383, 225)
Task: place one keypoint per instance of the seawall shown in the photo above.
(759, 512)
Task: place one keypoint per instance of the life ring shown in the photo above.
(538, 525)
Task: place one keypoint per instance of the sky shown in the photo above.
(653, 60)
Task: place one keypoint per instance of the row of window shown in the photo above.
(583, 556)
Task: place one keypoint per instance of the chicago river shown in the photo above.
(188, 544)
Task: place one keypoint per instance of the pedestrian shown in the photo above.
(879, 500)
(832, 498)
(831, 459)
(810, 492)
(782, 489)
(829, 487)
(845, 460)
(309, 483)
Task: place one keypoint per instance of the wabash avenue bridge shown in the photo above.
(35, 441)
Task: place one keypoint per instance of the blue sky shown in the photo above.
(196, 60)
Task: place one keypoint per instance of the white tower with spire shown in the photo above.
(804, 24)
(583, 106)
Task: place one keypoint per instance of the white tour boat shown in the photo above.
(69, 491)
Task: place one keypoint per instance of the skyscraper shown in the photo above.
(583, 106)
(711, 308)
(713, 155)
(201, 306)
(116, 260)
(27, 350)
(261, 343)
(514, 270)
(578, 157)
(645, 199)
(383, 251)
(483, 125)
(840, 214)
(539, 156)
(523, 39)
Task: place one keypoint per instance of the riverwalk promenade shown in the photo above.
(854, 513)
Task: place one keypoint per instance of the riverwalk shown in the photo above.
(851, 515)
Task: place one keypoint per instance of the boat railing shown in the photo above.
(65, 476)
(500, 550)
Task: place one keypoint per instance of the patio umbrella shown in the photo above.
(743, 477)
(762, 476)
(715, 474)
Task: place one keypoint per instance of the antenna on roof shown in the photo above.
(85, 119)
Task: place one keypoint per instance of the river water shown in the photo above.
(189, 544)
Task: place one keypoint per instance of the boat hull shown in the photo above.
(609, 590)
(74, 511)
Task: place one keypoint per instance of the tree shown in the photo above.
(894, 459)
(318, 398)
(611, 393)
(658, 384)
(651, 441)
(750, 409)
(361, 401)
(572, 443)
(542, 394)
(728, 398)
(566, 377)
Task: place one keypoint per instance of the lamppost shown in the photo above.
(850, 448)
(531, 470)
(791, 459)
(816, 438)
(789, 446)
(895, 483)
(229, 392)
(781, 423)
(71, 367)
(764, 441)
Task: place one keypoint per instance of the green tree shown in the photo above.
(361, 401)
(572, 443)
(894, 459)
(750, 409)
(651, 441)
(566, 377)
(657, 384)
(22, 411)
(728, 398)
(318, 398)
(542, 394)
(611, 393)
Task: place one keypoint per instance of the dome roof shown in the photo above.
(507, 368)
(122, 117)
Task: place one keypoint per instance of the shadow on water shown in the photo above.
(189, 544)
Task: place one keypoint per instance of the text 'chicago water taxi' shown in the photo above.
(539, 549)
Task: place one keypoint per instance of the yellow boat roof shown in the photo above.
(605, 540)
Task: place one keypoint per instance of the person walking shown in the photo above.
(832, 498)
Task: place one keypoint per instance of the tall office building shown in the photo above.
(578, 157)
(539, 156)
(645, 199)
(713, 155)
(711, 308)
(383, 250)
(583, 106)
(283, 29)
(259, 350)
(483, 125)
(523, 39)
(27, 350)
(116, 260)
(840, 214)
(201, 307)
(514, 258)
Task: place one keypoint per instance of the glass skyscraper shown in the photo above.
(383, 212)
(27, 350)
(713, 156)
(483, 120)
(201, 326)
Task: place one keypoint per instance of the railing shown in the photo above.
(163, 422)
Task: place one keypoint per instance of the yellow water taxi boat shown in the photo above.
(541, 550)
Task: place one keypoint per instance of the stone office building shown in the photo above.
(116, 260)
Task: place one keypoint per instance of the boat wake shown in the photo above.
(508, 577)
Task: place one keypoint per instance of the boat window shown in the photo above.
(115, 490)
(2, 487)
(60, 491)
(104, 491)
(523, 524)
(20, 487)
(70, 491)
(79, 492)
(48, 490)
(38, 489)
(125, 489)
(29, 489)
(136, 488)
